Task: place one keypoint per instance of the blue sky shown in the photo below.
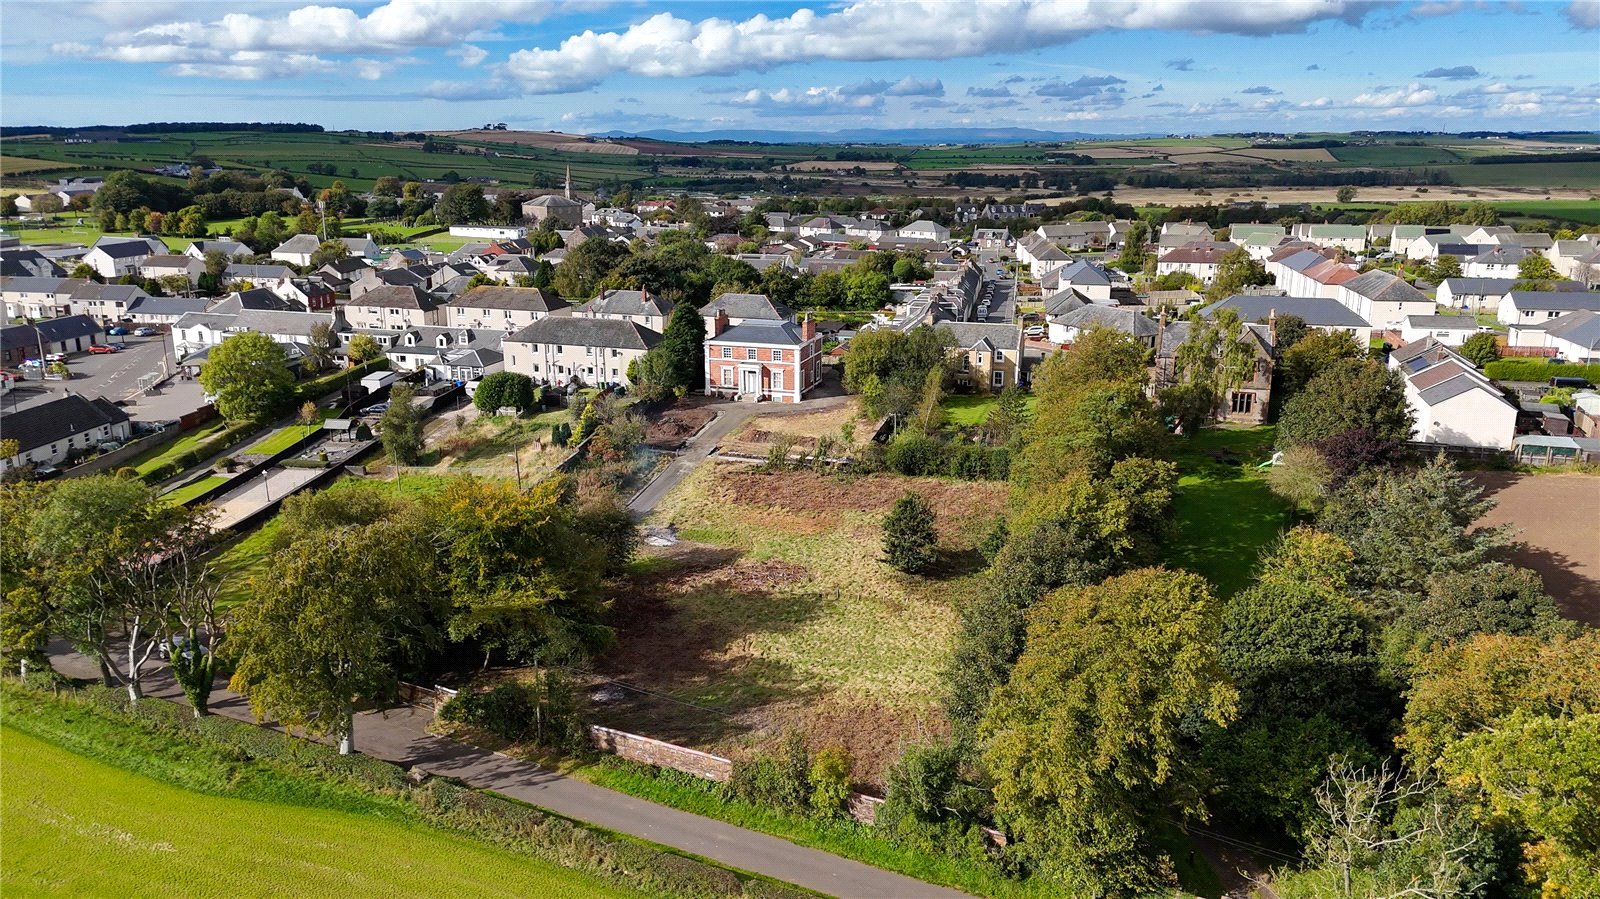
(1100, 66)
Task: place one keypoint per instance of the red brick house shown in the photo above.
(762, 360)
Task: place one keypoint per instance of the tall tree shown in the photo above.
(401, 425)
(1086, 742)
(683, 345)
(1236, 271)
(249, 375)
(462, 203)
(1214, 358)
(335, 618)
(1347, 394)
(320, 347)
(909, 540)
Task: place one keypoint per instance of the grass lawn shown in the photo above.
(155, 457)
(285, 437)
(1224, 515)
(190, 491)
(966, 410)
(145, 816)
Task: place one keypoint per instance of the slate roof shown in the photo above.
(569, 331)
(552, 201)
(1381, 286)
(1124, 320)
(168, 305)
(520, 299)
(124, 249)
(625, 302)
(765, 332)
(1315, 311)
(969, 335)
(1203, 253)
(59, 419)
(1555, 300)
(255, 298)
(239, 271)
(1443, 322)
(746, 306)
(394, 296)
(1581, 327)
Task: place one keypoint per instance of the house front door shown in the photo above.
(751, 379)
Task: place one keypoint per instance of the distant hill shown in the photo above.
(913, 136)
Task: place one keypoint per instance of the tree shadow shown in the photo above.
(1577, 594)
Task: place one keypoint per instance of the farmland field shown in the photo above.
(79, 827)
(1386, 155)
(19, 165)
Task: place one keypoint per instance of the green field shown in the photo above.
(190, 491)
(1582, 175)
(1224, 515)
(1390, 155)
(78, 827)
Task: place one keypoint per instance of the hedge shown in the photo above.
(919, 455)
(1527, 370)
(228, 436)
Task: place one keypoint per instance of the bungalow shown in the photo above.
(232, 249)
(1451, 402)
(640, 307)
(503, 309)
(762, 359)
(564, 349)
(392, 307)
(48, 433)
(1450, 330)
(1532, 306)
(1574, 336)
(990, 355)
(197, 332)
(69, 334)
(299, 249)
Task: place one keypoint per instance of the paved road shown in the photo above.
(730, 416)
(400, 736)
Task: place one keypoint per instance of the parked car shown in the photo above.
(118, 345)
(108, 446)
(1034, 331)
(117, 331)
(100, 349)
(143, 332)
(376, 409)
(1030, 316)
(44, 472)
(55, 357)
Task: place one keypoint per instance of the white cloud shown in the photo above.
(1410, 95)
(1584, 14)
(911, 87)
(665, 45)
(811, 101)
(469, 55)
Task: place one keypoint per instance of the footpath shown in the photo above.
(400, 736)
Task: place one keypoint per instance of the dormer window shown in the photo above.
(444, 340)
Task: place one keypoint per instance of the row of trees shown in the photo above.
(360, 587)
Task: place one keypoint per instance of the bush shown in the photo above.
(909, 541)
(830, 781)
(781, 780)
(1302, 477)
(916, 454)
(543, 714)
(503, 389)
(561, 434)
(1526, 370)
(975, 462)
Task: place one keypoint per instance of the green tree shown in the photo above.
(683, 350)
(1347, 394)
(910, 542)
(86, 272)
(1535, 272)
(462, 203)
(1235, 271)
(335, 617)
(1480, 349)
(1446, 266)
(1214, 359)
(523, 574)
(888, 368)
(386, 186)
(580, 274)
(249, 375)
(24, 629)
(1087, 743)
(503, 389)
(1289, 330)
(363, 348)
(1345, 194)
(1310, 356)
(401, 425)
(320, 347)
(1131, 257)
(329, 251)
(1495, 598)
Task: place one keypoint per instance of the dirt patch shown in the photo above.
(1557, 517)
(821, 498)
(672, 426)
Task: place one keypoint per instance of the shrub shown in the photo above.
(830, 781)
(916, 454)
(1302, 477)
(778, 452)
(502, 389)
(909, 541)
(542, 713)
(126, 473)
(561, 434)
(781, 780)
(975, 462)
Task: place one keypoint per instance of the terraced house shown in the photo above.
(562, 350)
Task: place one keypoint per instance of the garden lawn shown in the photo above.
(78, 827)
(285, 437)
(158, 456)
(190, 491)
(1224, 514)
(967, 410)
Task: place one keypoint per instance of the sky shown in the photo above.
(1097, 66)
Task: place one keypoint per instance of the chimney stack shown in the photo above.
(720, 323)
(808, 328)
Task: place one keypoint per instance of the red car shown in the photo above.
(101, 348)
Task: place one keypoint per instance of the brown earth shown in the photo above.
(821, 498)
(669, 428)
(1557, 518)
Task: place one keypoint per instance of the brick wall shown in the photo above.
(662, 755)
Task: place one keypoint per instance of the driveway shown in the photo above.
(730, 417)
(400, 736)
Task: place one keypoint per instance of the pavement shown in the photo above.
(400, 736)
(730, 416)
(276, 483)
